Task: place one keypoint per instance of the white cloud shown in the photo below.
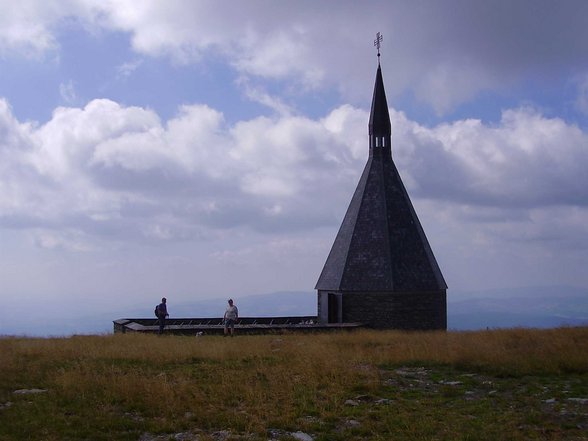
(68, 142)
(448, 84)
(106, 167)
(25, 27)
(476, 46)
(504, 202)
(444, 53)
(125, 70)
(30, 27)
(67, 92)
(106, 170)
(68, 240)
(528, 160)
(257, 94)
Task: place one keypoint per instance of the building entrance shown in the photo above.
(335, 308)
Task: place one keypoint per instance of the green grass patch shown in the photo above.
(367, 385)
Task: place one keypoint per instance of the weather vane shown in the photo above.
(377, 42)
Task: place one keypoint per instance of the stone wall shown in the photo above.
(397, 310)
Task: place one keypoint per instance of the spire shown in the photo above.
(379, 124)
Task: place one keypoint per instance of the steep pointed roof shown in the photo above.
(379, 124)
(381, 245)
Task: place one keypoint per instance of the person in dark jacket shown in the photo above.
(162, 314)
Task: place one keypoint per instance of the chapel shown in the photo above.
(381, 270)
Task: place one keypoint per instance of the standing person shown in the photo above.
(231, 316)
(162, 314)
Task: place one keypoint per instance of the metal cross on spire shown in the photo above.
(377, 41)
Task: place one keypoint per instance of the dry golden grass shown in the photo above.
(117, 386)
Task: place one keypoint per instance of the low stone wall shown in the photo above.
(212, 326)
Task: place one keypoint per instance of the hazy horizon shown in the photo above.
(542, 307)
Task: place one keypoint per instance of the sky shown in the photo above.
(205, 149)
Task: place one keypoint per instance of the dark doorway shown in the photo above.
(335, 308)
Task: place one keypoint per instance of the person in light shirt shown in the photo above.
(231, 317)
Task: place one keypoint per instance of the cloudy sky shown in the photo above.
(201, 149)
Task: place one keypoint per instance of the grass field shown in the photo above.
(491, 385)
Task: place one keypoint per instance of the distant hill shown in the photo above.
(538, 307)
